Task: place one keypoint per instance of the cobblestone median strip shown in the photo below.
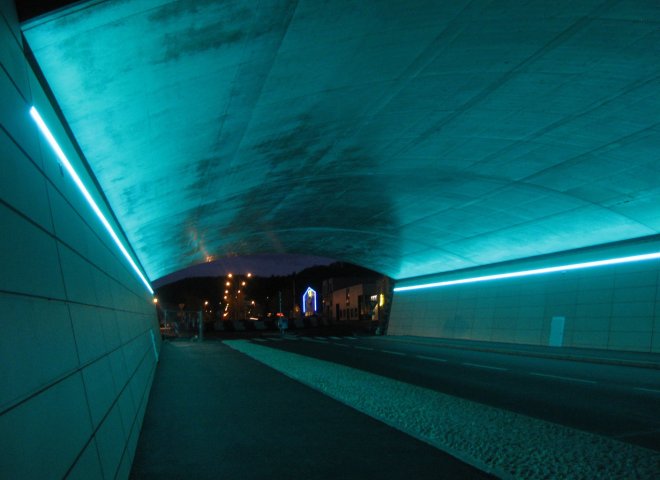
(504, 443)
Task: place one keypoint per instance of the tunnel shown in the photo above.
(497, 160)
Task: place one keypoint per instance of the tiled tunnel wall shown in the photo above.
(76, 350)
(612, 307)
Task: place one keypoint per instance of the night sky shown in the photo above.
(263, 265)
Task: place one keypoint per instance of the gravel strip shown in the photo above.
(504, 443)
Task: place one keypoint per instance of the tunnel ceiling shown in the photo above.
(409, 137)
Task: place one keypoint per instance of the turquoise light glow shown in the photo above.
(537, 271)
(76, 179)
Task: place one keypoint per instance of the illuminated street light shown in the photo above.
(249, 275)
(230, 275)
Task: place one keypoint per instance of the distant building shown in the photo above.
(353, 303)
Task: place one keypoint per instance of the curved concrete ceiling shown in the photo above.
(410, 137)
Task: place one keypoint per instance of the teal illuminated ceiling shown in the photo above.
(410, 137)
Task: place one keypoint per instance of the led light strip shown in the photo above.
(537, 271)
(76, 179)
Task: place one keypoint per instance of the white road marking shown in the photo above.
(652, 390)
(559, 377)
(433, 359)
(478, 365)
(336, 338)
(393, 352)
(364, 348)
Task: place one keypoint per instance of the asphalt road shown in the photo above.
(621, 402)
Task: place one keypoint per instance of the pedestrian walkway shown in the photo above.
(216, 413)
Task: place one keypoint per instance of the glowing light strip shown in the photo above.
(537, 271)
(76, 179)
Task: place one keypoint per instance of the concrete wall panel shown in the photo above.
(39, 445)
(88, 332)
(29, 258)
(22, 184)
(111, 439)
(613, 307)
(88, 465)
(75, 335)
(37, 345)
(100, 388)
(15, 118)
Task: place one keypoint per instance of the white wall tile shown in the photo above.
(39, 338)
(594, 310)
(127, 410)
(36, 345)
(100, 388)
(108, 321)
(103, 290)
(596, 280)
(594, 296)
(124, 470)
(88, 466)
(8, 12)
(655, 345)
(15, 118)
(631, 324)
(588, 308)
(88, 332)
(590, 339)
(527, 336)
(110, 441)
(636, 275)
(639, 341)
(11, 58)
(640, 293)
(69, 226)
(633, 309)
(78, 277)
(590, 324)
(28, 257)
(42, 437)
(119, 370)
(22, 185)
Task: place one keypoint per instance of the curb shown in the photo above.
(539, 354)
